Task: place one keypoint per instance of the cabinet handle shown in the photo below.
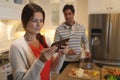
(111, 8)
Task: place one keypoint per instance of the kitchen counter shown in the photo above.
(64, 74)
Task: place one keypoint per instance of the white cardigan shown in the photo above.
(24, 64)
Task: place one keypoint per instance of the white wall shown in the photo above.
(82, 12)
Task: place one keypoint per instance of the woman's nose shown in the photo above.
(38, 23)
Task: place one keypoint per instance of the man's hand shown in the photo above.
(71, 52)
(88, 54)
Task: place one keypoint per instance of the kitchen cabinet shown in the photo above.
(10, 16)
(115, 5)
(6, 72)
(103, 6)
(11, 10)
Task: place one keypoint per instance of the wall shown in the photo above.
(82, 12)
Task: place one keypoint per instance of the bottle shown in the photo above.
(82, 58)
(88, 63)
(81, 63)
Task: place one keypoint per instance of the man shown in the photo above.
(76, 32)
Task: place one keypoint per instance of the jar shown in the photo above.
(86, 63)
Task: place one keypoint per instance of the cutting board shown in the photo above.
(87, 75)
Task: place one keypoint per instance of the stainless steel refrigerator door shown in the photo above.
(114, 38)
(99, 21)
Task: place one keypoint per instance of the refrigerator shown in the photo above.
(104, 37)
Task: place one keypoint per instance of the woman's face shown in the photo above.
(35, 23)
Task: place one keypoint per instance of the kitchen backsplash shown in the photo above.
(4, 42)
(7, 33)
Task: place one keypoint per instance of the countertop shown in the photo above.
(64, 74)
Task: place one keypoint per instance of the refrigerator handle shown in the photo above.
(107, 36)
(110, 35)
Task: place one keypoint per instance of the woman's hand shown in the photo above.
(47, 53)
(64, 50)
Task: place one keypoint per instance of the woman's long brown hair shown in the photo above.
(41, 39)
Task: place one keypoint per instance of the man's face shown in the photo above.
(69, 16)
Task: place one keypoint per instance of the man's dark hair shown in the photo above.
(69, 6)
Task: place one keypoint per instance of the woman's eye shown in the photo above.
(34, 20)
(41, 20)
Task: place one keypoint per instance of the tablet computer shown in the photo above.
(59, 43)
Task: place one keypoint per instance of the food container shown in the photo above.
(86, 64)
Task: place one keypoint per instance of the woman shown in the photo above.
(31, 56)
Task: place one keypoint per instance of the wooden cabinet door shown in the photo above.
(115, 6)
(98, 6)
